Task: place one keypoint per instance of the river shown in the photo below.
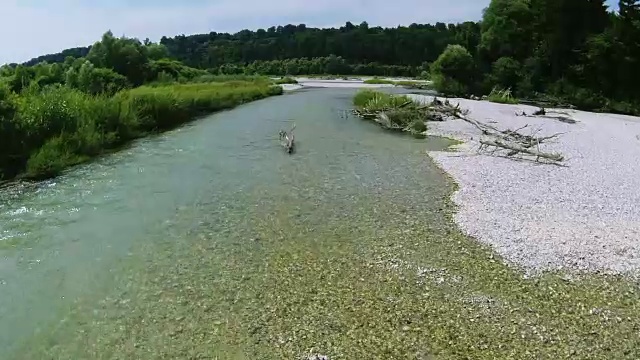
(210, 240)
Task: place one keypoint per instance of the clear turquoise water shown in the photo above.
(71, 240)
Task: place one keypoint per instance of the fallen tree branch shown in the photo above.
(515, 149)
(513, 140)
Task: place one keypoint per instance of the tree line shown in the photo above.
(579, 50)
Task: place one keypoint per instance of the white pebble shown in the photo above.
(542, 217)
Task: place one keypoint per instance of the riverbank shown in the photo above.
(360, 82)
(582, 216)
(60, 127)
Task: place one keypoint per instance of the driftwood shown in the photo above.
(514, 142)
(287, 139)
(541, 112)
(515, 149)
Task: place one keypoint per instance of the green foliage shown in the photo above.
(11, 134)
(502, 96)
(362, 97)
(453, 72)
(402, 113)
(56, 115)
(356, 44)
(171, 69)
(334, 65)
(379, 81)
(526, 45)
(404, 83)
(59, 126)
(286, 80)
(570, 49)
(158, 108)
(92, 80)
(506, 72)
(226, 78)
(21, 78)
(127, 57)
(157, 51)
(377, 101)
(506, 29)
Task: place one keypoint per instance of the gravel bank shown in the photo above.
(312, 83)
(583, 217)
(341, 83)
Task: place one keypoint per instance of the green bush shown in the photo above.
(378, 81)
(286, 80)
(453, 73)
(506, 72)
(10, 134)
(378, 101)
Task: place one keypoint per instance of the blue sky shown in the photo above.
(37, 27)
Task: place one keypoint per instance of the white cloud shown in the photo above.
(30, 30)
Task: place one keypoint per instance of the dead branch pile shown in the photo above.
(381, 116)
(405, 116)
(510, 143)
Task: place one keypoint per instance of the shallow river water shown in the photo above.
(77, 247)
(210, 242)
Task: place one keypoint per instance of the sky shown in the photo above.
(30, 28)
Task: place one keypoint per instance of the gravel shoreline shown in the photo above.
(583, 217)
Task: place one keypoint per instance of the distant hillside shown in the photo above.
(360, 44)
(59, 57)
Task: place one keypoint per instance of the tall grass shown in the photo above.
(401, 111)
(379, 81)
(211, 78)
(421, 85)
(286, 80)
(377, 101)
(59, 127)
(502, 96)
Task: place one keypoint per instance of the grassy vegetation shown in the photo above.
(286, 80)
(379, 81)
(391, 111)
(54, 128)
(502, 96)
(213, 78)
(378, 101)
(54, 115)
(404, 83)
